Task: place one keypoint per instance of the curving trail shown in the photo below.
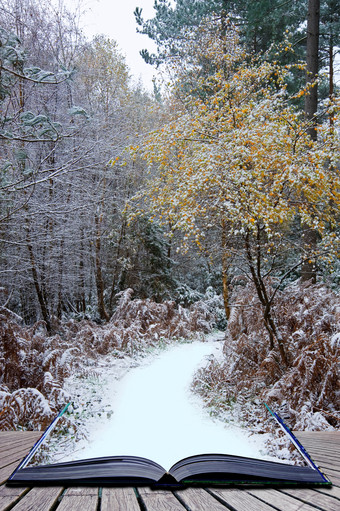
(157, 417)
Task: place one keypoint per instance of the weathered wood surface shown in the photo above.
(324, 447)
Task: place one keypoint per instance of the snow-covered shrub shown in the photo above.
(185, 295)
(215, 304)
(201, 318)
(31, 376)
(307, 390)
(27, 406)
(34, 365)
(146, 322)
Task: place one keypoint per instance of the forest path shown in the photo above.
(155, 415)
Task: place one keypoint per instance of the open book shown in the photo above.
(199, 470)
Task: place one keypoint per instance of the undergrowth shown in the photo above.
(306, 392)
(34, 366)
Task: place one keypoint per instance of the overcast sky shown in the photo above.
(115, 19)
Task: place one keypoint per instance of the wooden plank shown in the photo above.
(322, 449)
(119, 499)
(322, 446)
(325, 502)
(21, 434)
(241, 500)
(6, 446)
(18, 448)
(325, 467)
(79, 502)
(5, 472)
(315, 453)
(333, 450)
(333, 453)
(321, 443)
(280, 501)
(332, 473)
(329, 468)
(16, 454)
(334, 478)
(84, 498)
(198, 499)
(39, 499)
(159, 500)
(325, 460)
(6, 491)
(329, 472)
(318, 434)
(8, 502)
(18, 436)
(324, 433)
(10, 495)
(317, 442)
(314, 450)
(319, 458)
(82, 490)
(334, 492)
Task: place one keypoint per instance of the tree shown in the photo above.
(312, 68)
(329, 39)
(261, 23)
(35, 124)
(168, 27)
(239, 158)
(65, 243)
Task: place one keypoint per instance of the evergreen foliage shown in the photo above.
(261, 23)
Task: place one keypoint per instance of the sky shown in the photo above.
(115, 19)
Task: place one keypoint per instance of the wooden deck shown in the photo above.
(324, 447)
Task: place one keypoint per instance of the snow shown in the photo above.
(155, 415)
(335, 340)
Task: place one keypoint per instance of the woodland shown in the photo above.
(131, 218)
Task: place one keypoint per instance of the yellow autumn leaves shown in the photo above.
(238, 151)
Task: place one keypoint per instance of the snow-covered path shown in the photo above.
(157, 417)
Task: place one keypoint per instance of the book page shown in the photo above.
(156, 416)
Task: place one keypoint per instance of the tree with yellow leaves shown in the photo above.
(237, 156)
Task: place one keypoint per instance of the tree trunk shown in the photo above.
(312, 61)
(225, 267)
(309, 236)
(255, 265)
(81, 295)
(331, 76)
(41, 298)
(116, 268)
(99, 275)
(60, 279)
